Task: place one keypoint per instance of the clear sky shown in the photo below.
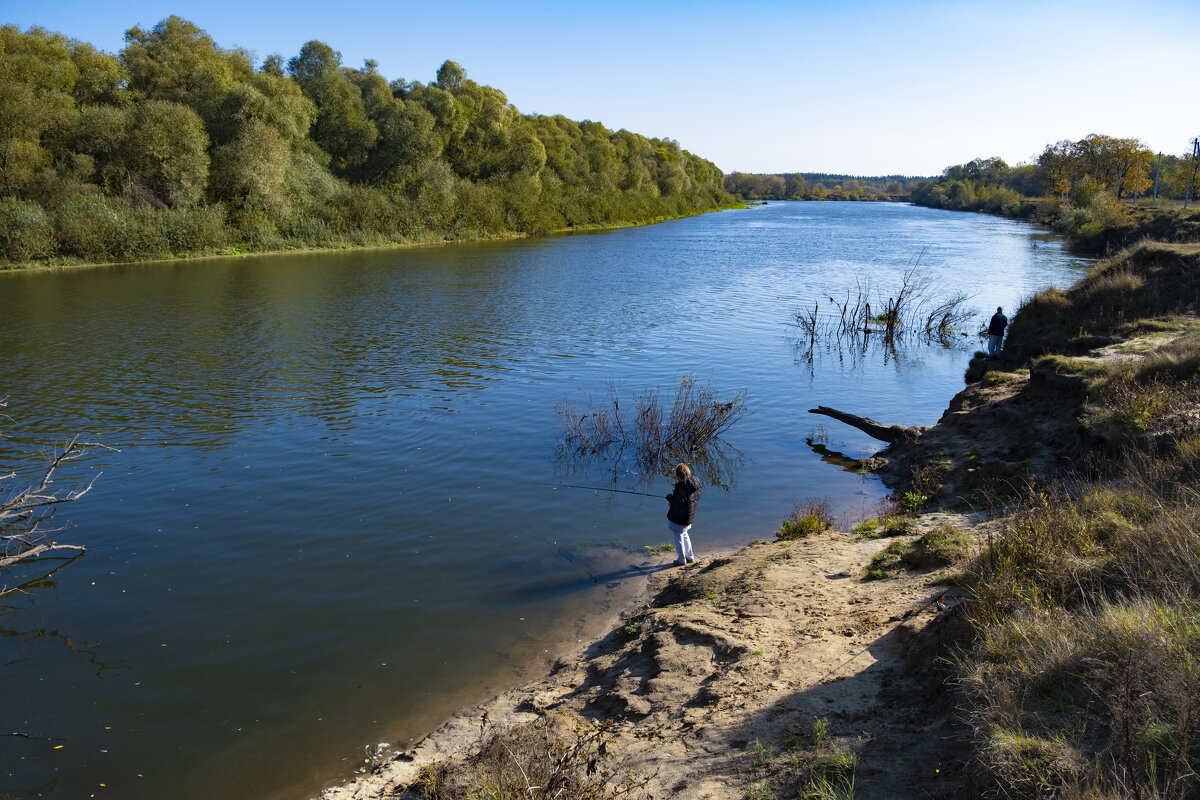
(864, 88)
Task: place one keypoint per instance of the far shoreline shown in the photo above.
(52, 265)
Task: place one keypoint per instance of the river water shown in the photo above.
(328, 523)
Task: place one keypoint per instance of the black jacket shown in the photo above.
(997, 325)
(684, 500)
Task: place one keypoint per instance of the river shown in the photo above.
(327, 523)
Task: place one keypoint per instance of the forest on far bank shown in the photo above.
(1101, 192)
(818, 186)
(1065, 170)
(176, 146)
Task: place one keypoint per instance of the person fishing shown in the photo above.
(995, 332)
(682, 513)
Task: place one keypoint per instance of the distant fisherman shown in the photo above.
(996, 332)
(681, 515)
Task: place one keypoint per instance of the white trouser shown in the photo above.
(683, 542)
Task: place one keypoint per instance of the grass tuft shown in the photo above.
(812, 516)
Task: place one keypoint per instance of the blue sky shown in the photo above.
(857, 87)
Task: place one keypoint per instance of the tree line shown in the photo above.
(177, 146)
(1085, 189)
(817, 186)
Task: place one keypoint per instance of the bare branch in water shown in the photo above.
(25, 513)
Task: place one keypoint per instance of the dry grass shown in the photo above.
(1085, 671)
(558, 756)
(1147, 281)
(1082, 675)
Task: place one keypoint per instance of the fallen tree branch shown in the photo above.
(876, 430)
(38, 550)
(24, 512)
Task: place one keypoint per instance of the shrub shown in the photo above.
(106, 229)
(195, 230)
(310, 232)
(1135, 408)
(25, 231)
(811, 516)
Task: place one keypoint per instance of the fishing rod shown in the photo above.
(562, 552)
(595, 489)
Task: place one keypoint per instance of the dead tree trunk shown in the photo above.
(876, 430)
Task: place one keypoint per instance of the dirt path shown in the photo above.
(714, 683)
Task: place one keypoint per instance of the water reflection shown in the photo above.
(29, 638)
(864, 349)
(833, 458)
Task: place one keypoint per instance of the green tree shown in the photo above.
(178, 62)
(249, 172)
(342, 128)
(102, 77)
(450, 76)
(37, 79)
(408, 144)
(100, 132)
(1055, 168)
(167, 151)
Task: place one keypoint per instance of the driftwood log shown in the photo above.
(876, 430)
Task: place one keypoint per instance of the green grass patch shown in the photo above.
(884, 527)
(1067, 365)
(887, 562)
(996, 378)
(939, 547)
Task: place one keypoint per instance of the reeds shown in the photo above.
(655, 437)
(912, 310)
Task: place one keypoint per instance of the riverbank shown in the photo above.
(1062, 540)
(342, 246)
(768, 665)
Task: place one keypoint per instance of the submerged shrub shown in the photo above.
(654, 436)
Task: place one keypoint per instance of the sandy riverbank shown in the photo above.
(735, 657)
